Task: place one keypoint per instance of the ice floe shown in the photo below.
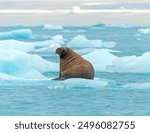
(52, 27)
(19, 64)
(17, 34)
(30, 46)
(59, 39)
(80, 41)
(144, 30)
(77, 83)
(131, 64)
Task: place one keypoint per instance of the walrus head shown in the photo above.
(62, 51)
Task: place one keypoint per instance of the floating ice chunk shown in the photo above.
(131, 64)
(51, 48)
(52, 27)
(18, 45)
(23, 65)
(78, 83)
(58, 39)
(17, 34)
(100, 58)
(96, 43)
(4, 76)
(144, 30)
(49, 45)
(84, 51)
(102, 25)
(81, 41)
(30, 74)
(138, 85)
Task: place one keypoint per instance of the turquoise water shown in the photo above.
(45, 97)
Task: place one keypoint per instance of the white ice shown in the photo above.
(144, 30)
(100, 58)
(80, 41)
(17, 34)
(52, 27)
(78, 83)
(131, 64)
(30, 46)
(59, 39)
(19, 64)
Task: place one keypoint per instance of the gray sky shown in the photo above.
(74, 12)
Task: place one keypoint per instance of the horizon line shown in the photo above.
(75, 10)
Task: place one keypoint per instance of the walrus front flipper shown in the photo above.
(56, 78)
(59, 78)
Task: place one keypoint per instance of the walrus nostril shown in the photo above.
(58, 51)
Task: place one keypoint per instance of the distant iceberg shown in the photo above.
(17, 34)
(80, 41)
(50, 27)
(101, 25)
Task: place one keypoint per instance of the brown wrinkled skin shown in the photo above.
(73, 65)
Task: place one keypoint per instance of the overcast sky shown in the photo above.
(75, 12)
(68, 4)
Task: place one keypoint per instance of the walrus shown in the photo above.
(73, 65)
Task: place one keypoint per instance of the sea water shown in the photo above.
(110, 93)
